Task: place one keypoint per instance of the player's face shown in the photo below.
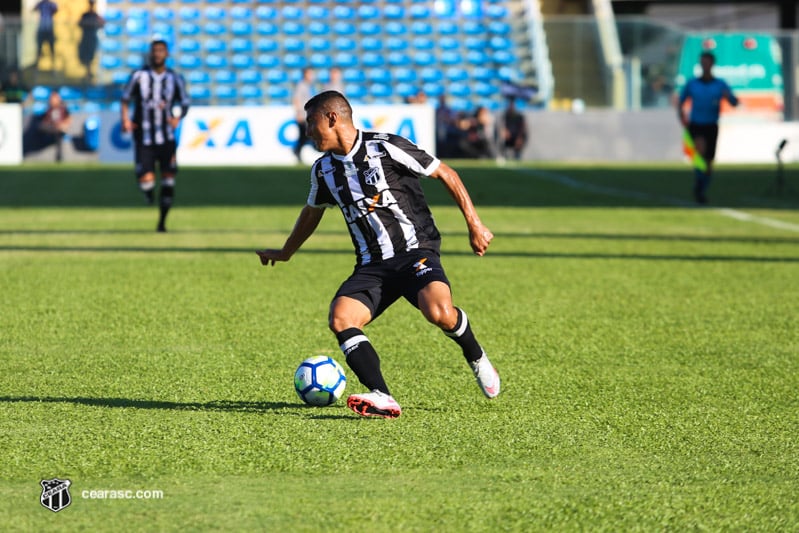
(707, 64)
(320, 131)
(158, 55)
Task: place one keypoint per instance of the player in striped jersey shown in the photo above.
(374, 180)
(155, 90)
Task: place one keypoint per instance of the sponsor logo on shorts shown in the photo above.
(421, 268)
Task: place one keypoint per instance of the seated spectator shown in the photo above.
(477, 134)
(419, 98)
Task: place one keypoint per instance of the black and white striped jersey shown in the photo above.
(154, 95)
(377, 188)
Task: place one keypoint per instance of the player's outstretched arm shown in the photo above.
(479, 235)
(304, 227)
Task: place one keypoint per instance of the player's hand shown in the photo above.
(270, 256)
(480, 237)
(174, 122)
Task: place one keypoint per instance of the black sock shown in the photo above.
(167, 196)
(362, 359)
(462, 334)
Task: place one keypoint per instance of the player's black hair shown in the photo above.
(327, 101)
(158, 41)
(708, 54)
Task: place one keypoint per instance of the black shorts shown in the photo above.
(165, 154)
(708, 132)
(378, 285)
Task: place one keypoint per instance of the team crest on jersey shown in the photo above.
(371, 176)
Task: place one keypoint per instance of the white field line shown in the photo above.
(568, 181)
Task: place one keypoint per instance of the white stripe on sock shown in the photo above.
(353, 342)
(464, 324)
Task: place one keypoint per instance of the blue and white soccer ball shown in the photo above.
(320, 380)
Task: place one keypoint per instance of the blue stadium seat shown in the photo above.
(501, 43)
(224, 76)
(276, 76)
(499, 27)
(215, 13)
(321, 61)
(278, 92)
(355, 91)
(395, 28)
(163, 30)
(484, 89)
(450, 57)
(70, 94)
(187, 28)
(292, 44)
(163, 13)
(250, 76)
(444, 8)
(266, 45)
(368, 12)
(215, 46)
(292, 13)
(345, 60)
(353, 75)
(319, 44)
(476, 57)
(405, 90)
(120, 76)
(225, 92)
(112, 30)
(419, 27)
(370, 28)
(471, 9)
(133, 61)
(448, 43)
(241, 28)
(396, 43)
(399, 59)
(317, 12)
(293, 28)
(496, 11)
(265, 13)
(392, 11)
(424, 59)
(114, 15)
(503, 57)
(473, 27)
(198, 76)
(345, 44)
(484, 73)
(241, 13)
(344, 28)
(419, 11)
(267, 61)
(423, 43)
(241, 46)
(188, 62)
(216, 61)
(137, 27)
(110, 46)
(433, 90)
(371, 44)
(448, 28)
(380, 91)
(456, 74)
(242, 61)
(341, 12)
(378, 75)
(110, 62)
(189, 14)
(318, 28)
(294, 61)
(459, 105)
(138, 46)
(252, 92)
(372, 59)
(431, 75)
(404, 74)
(475, 43)
(266, 28)
(214, 28)
(459, 90)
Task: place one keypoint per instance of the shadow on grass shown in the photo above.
(218, 405)
(449, 253)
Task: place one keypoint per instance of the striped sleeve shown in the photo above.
(411, 156)
(319, 195)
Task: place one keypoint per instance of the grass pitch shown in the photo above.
(649, 352)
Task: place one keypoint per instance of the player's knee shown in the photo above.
(443, 315)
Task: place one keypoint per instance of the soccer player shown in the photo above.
(705, 93)
(155, 91)
(374, 180)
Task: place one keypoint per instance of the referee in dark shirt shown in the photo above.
(155, 91)
(373, 178)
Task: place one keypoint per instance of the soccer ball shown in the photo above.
(319, 380)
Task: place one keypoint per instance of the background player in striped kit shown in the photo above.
(374, 180)
(155, 90)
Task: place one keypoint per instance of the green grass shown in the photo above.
(649, 353)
